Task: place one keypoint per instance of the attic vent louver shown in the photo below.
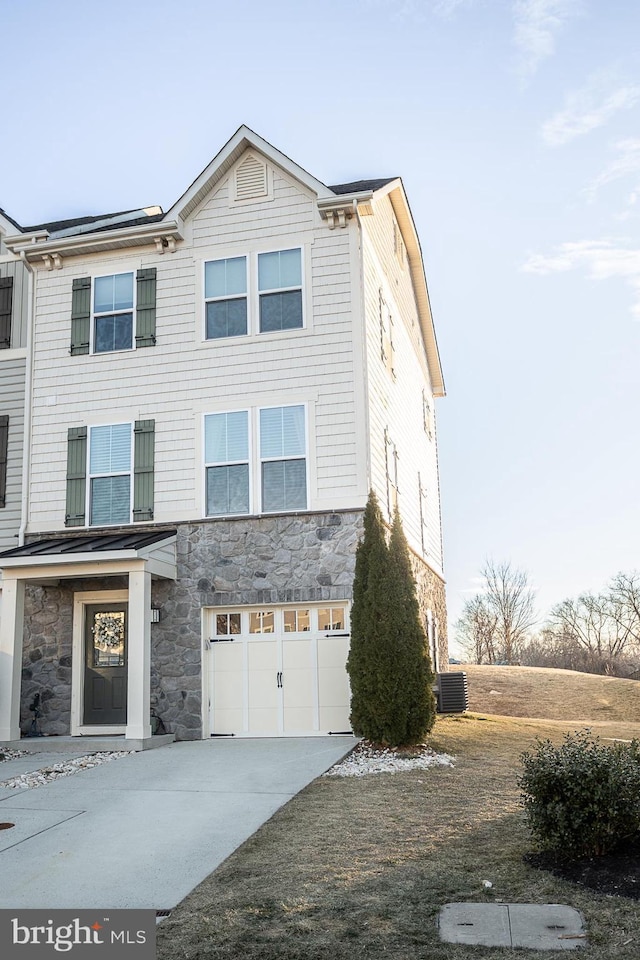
(251, 179)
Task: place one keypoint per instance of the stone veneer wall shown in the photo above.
(244, 561)
(430, 590)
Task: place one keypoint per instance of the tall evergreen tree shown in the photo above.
(388, 663)
(411, 678)
(368, 617)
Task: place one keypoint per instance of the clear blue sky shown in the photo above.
(515, 126)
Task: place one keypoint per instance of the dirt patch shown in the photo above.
(617, 874)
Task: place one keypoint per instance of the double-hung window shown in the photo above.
(283, 458)
(113, 312)
(280, 290)
(255, 460)
(110, 474)
(226, 444)
(257, 293)
(225, 292)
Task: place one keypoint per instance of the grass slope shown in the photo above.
(359, 868)
(551, 694)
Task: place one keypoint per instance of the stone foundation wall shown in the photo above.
(240, 562)
(430, 591)
(282, 559)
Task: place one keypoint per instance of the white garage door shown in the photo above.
(278, 671)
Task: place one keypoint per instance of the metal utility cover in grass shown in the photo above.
(551, 926)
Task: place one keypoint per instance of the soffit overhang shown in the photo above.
(40, 246)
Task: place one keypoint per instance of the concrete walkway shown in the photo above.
(143, 830)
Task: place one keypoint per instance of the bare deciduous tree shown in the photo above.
(602, 629)
(495, 624)
(476, 630)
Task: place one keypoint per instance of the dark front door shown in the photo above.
(105, 671)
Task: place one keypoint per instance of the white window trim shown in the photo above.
(256, 461)
(254, 293)
(92, 319)
(387, 345)
(80, 601)
(260, 459)
(427, 414)
(232, 296)
(123, 473)
(261, 293)
(229, 463)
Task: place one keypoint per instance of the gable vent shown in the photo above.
(251, 179)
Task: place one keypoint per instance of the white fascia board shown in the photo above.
(81, 565)
(341, 201)
(243, 139)
(35, 246)
(403, 214)
(88, 564)
(7, 226)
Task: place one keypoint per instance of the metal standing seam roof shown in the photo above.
(88, 544)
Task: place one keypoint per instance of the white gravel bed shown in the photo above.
(366, 759)
(55, 771)
(12, 754)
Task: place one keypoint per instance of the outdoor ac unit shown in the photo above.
(452, 693)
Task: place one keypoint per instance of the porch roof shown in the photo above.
(94, 554)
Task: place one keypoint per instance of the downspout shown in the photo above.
(26, 450)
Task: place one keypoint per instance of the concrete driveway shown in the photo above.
(144, 830)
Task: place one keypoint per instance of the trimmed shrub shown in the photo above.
(582, 798)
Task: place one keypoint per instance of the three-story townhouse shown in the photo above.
(214, 391)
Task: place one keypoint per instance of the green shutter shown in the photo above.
(76, 476)
(6, 303)
(144, 447)
(146, 307)
(80, 315)
(4, 442)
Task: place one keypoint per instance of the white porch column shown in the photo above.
(11, 624)
(139, 659)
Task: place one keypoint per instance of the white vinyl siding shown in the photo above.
(401, 406)
(185, 377)
(20, 301)
(12, 387)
